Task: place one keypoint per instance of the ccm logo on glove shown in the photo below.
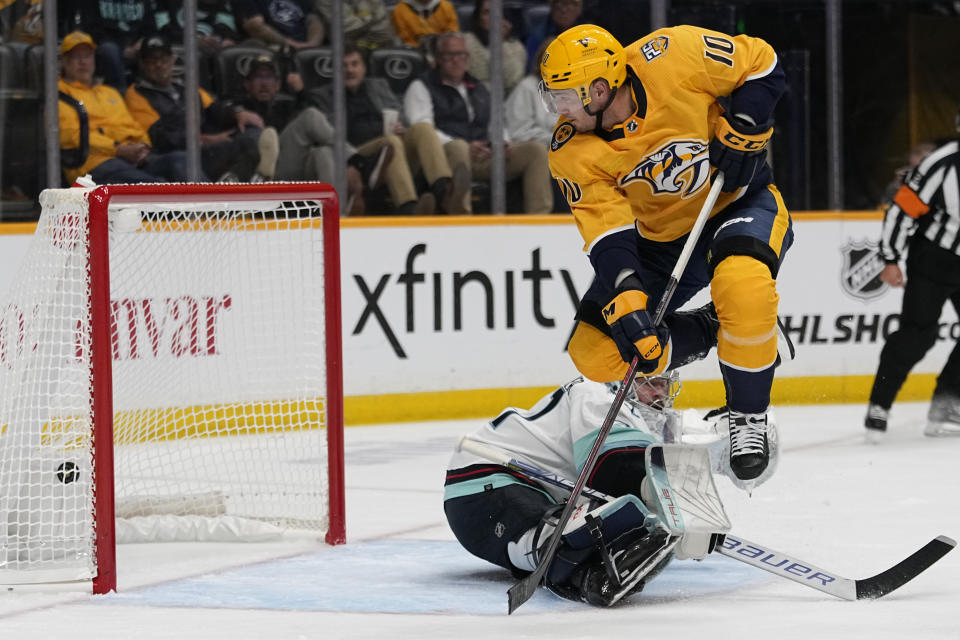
(631, 325)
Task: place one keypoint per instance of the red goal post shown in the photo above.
(170, 353)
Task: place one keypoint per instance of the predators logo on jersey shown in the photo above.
(680, 166)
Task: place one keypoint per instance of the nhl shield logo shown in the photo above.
(860, 274)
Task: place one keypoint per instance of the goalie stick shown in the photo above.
(524, 589)
(757, 555)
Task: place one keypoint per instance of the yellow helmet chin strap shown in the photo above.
(598, 125)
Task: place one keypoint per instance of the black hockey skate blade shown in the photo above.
(905, 570)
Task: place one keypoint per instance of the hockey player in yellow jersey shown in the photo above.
(642, 129)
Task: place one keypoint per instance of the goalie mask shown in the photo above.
(651, 398)
(657, 392)
(652, 392)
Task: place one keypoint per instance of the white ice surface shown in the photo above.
(836, 502)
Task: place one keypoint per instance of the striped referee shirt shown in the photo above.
(928, 203)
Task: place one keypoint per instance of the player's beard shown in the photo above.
(582, 121)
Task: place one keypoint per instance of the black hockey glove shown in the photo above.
(631, 327)
(739, 149)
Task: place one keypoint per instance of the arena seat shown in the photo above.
(315, 65)
(10, 69)
(533, 14)
(20, 134)
(204, 75)
(33, 68)
(397, 66)
(464, 15)
(231, 68)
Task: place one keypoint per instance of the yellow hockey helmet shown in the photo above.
(576, 58)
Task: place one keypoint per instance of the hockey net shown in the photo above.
(169, 354)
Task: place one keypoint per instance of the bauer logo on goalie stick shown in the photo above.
(679, 166)
(776, 561)
(860, 273)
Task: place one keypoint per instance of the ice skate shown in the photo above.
(943, 418)
(876, 423)
(749, 448)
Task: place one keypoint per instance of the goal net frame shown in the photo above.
(258, 197)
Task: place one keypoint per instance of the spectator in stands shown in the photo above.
(415, 19)
(458, 106)
(232, 141)
(524, 114)
(119, 148)
(372, 123)
(306, 136)
(563, 15)
(283, 25)
(216, 26)
(365, 22)
(478, 44)
(26, 17)
(526, 119)
(118, 27)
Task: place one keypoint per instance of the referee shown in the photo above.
(924, 217)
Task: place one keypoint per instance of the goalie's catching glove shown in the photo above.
(631, 328)
(739, 149)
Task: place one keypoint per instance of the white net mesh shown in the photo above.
(219, 375)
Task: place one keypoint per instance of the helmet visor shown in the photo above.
(558, 101)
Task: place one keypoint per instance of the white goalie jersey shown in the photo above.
(557, 433)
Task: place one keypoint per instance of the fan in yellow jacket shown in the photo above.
(414, 19)
(112, 147)
(641, 128)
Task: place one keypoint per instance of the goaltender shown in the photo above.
(610, 547)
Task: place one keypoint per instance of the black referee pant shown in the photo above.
(933, 277)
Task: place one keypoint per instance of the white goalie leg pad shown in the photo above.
(679, 487)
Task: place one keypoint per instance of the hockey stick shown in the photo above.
(523, 590)
(757, 555)
(871, 588)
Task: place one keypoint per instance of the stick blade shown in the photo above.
(905, 570)
(523, 590)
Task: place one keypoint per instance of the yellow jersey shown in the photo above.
(652, 170)
(110, 124)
